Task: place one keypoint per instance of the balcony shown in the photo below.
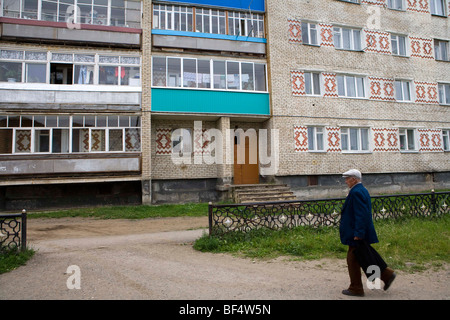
(210, 102)
(59, 32)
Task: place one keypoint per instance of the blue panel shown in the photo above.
(255, 5)
(209, 101)
(207, 35)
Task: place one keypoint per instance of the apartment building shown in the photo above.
(128, 101)
(361, 84)
(70, 95)
(208, 76)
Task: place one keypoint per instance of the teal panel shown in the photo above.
(208, 101)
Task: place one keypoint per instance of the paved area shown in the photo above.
(123, 259)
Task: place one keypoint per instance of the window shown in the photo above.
(159, 72)
(315, 139)
(210, 21)
(444, 93)
(352, 1)
(219, 75)
(402, 90)
(121, 13)
(309, 33)
(247, 76)
(233, 75)
(396, 4)
(114, 70)
(69, 134)
(347, 39)
(445, 138)
(260, 77)
(181, 141)
(437, 7)
(407, 139)
(245, 24)
(398, 45)
(36, 72)
(351, 86)
(174, 72)
(441, 50)
(208, 74)
(190, 73)
(10, 71)
(312, 83)
(204, 73)
(68, 68)
(179, 18)
(355, 139)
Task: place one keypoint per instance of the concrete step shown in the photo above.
(262, 193)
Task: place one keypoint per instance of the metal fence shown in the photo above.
(323, 212)
(13, 231)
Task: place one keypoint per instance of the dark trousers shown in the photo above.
(354, 271)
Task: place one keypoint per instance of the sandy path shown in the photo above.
(154, 259)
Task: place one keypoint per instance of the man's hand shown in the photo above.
(357, 238)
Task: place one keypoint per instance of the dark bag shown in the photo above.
(368, 256)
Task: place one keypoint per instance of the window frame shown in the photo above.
(309, 79)
(438, 52)
(346, 140)
(356, 87)
(443, 4)
(314, 134)
(67, 123)
(309, 27)
(444, 93)
(398, 43)
(213, 76)
(338, 31)
(446, 139)
(391, 5)
(351, 1)
(402, 86)
(403, 135)
(74, 16)
(26, 57)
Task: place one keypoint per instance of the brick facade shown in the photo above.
(294, 111)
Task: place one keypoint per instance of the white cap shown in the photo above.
(352, 173)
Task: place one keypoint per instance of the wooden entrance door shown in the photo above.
(245, 173)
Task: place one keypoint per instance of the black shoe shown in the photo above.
(353, 294)
(389, 282)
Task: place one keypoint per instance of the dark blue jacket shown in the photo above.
(356, 217)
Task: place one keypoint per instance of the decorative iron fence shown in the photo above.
(13, 231)
(324, 212)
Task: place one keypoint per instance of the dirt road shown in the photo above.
(154, 259)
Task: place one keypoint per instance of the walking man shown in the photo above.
(356, 225)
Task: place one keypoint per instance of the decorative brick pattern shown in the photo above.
(201, 142)
(132, 139)
(380, 3)
(421, 48)
(333, 139)
(301, 138)
(326, 35)
(430, 140)
(426, 92)
(377, 42)
(298, 83)
(385, 139)
(295, 31)
(418, 6)
(330, 85)
(23, 141)
(163, 141)
(381, 89)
